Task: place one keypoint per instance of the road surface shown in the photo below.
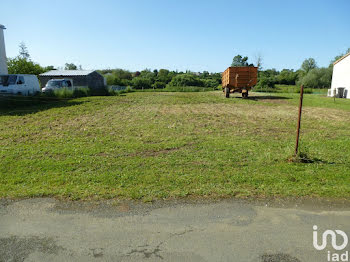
(228, 230)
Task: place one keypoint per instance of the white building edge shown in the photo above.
(341, 78)
(3, 61)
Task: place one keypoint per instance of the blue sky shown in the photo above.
(193, 35)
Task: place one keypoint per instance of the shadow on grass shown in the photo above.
(257, 98)
(305, 159)
(23, 105)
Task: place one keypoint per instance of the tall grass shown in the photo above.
(290, 89)
(187, 89)
(118, 91)
(69, 93)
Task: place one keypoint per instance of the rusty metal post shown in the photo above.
(299, 120)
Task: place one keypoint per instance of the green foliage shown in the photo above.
(159, 79)
(265, 83)
(317, 78)
(81, 92)
(122, 74)
(291, 89)
(339, 56)
(68, 93)
(210, 83)
(287, 77)
(308, 65)
(238, 60)
(20, 65)
(114, 79)
(186, 80)
(49, 68)
(70, 66)
(164, 76)
(63, 93)
(158, 85)
(115, 92)
(141, 82)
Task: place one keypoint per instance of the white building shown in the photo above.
(341, 78)
(3, 61)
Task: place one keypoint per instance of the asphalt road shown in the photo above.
(229, 230)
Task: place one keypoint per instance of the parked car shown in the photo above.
(19, 85)
(54, 84)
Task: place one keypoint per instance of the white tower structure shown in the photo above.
(3, 60)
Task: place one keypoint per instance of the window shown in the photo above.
(69, 83)
(20, 80)
(8, 80)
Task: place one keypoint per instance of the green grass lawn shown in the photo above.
(148, 145)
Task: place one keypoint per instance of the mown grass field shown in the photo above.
(161, 145)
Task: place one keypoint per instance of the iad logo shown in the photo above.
(332, 256)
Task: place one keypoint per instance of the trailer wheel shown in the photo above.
(245, 94)
(227, 92)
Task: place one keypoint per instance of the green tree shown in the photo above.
(317, 78)
(164, 76)
(210, 83)
(19, 65)
(339, 56)
(238, 60)
(141, 82)
(158, 85)
(49, 68)
(186, 80)
(308, 65)
(287, 77)
(22, 63)
(122, 74)
(70, 66)
(265, 82)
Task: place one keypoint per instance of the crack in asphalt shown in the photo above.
(148, 253)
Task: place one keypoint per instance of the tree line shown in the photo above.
(309, 74)
(158, 79)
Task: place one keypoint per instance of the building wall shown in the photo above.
(95, 80)
(341, 75)
(3, 61)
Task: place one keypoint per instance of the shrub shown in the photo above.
(68, 93)
(81, 92)
(265, 83)
(317, 78)
(113, 91)
(186, 80)
(141, 82)
(159, 85)
(63, 93)
(210, 83)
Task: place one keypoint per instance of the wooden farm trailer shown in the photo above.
(239, 79)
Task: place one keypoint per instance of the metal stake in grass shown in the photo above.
(299, 120)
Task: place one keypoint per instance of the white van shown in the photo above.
(19, 85)
(55, 84)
